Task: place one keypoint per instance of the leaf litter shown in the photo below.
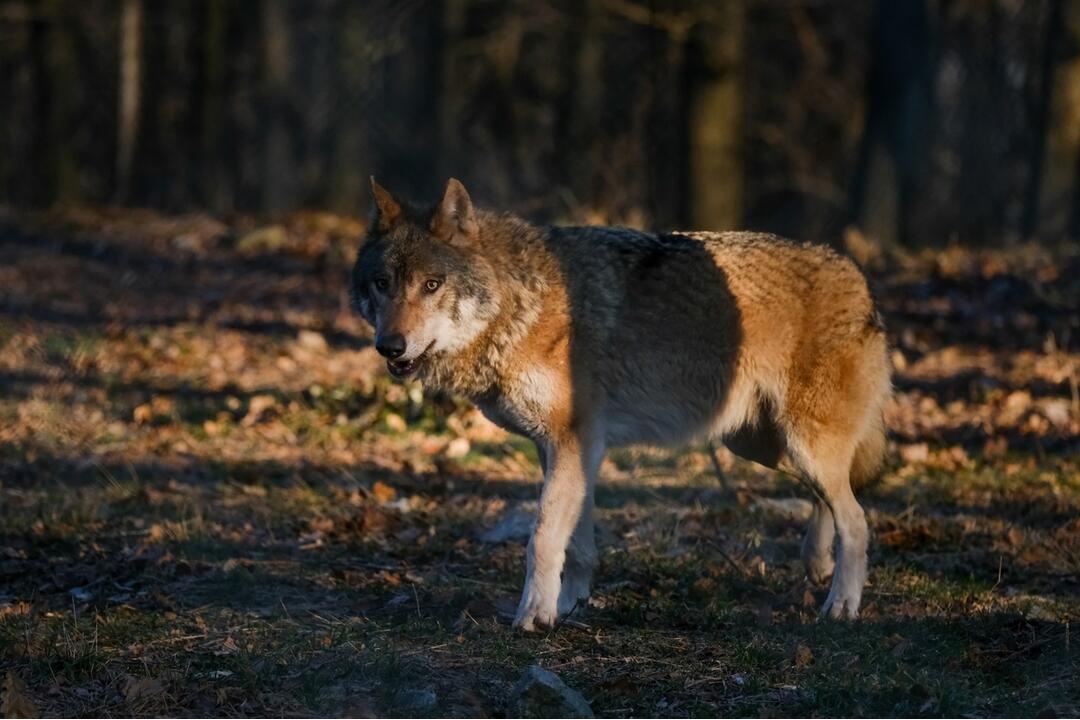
(213, 501)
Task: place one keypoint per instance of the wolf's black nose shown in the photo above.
(390, 346)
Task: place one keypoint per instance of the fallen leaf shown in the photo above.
(268, 238)
(143, 414)
(228, 647)
(703, 586)
(373, 521)
(311, 340)
(392, 579)
(258, 408)
(16, 703)
(20, 607)
(321, 524)
(383, 493)
(458, 448)
(136, 689)
(915, 453)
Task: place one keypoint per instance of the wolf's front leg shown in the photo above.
(580, 561)
(565, 512)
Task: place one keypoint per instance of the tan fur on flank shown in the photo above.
(592, 337)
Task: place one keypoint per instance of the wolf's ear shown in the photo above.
(454, 216)
(387, 210)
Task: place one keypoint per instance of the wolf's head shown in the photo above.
(420, 279)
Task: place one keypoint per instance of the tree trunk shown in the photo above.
(16, 96)
(714, 160)
(61, 164)
(580, 109)
(351, 162)
(898, 97)
(128, 111)
(451, 97)
(215, 190)
(278, 162)
(1051, 214)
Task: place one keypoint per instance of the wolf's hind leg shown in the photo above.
(580, 562)
(825, 463)
(851, 528)
(817, 547)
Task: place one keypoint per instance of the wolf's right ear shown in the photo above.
(454, 216)
(387, 210)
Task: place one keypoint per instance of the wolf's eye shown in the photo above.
(432, 285)
(381, 284)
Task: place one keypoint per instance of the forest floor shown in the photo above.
(213, 501)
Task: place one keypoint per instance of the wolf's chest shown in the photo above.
(511, 418)
(526, 405)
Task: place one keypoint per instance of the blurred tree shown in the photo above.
(351, 157)
(59, 95)
(1054, 191)
(16, 74)
(215, 191)
(580, 111)
(452, 100)
(898, 97)
(715, 117)
(128, 112)
(919, 118)
(279, 170)
(403, 122)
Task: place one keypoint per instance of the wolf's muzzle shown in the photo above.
(390, 346)
(405, 368)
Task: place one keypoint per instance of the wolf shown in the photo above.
(586, 338)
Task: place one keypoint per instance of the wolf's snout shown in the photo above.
(390, 346)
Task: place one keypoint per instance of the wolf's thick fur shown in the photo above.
(584, 338)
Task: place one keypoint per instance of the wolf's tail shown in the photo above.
(869, 455)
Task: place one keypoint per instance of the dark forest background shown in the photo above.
(216, 502)
(922, 122)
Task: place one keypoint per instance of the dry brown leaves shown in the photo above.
(17, 702)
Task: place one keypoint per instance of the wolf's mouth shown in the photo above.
(405, 368)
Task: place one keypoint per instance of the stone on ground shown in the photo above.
(541, 694)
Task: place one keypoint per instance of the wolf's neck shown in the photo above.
(525, 272)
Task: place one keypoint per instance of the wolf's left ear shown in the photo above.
(454, 216)
(386, 210)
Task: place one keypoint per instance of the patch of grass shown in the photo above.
(307, 554)
(515, 447)
(7, 333)
(72, 348)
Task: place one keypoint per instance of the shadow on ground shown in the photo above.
(213, 502)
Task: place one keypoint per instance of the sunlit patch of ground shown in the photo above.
(213, 501)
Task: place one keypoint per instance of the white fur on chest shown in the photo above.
(527, 402)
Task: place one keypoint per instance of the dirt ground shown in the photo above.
(214, 501)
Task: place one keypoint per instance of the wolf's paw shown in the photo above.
(574, 590)
(841, 605)
(537, 610)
